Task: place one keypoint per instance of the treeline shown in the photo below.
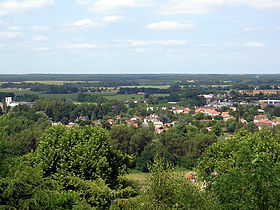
(44, 88)
(82, 97)
(65, 111)
(19, 98)
(147, 79)
(3, 95)
(135, 90)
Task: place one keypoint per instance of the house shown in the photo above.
(161, 129)
(212, 113)
(276, 122)
(82, 118)
(262, 121)
(111, 121)
(132, 122)
(265, 123)
(260, 118)
(179, 110)
(204, 109)
(150, 108)
(187, 110)
(227, 116)
(150, 119)
(158, 124)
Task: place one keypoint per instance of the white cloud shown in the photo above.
(170, 25)
(3, 13)
(14, 28)
(83, 22)
(2, 45)
(206, 6)
(111, 19)
(254, 29)
(11, 6)
(80, 46)
(139, 43)
(189, 6)
(246, 45)
(113, 5)
(254, 45)
(40, 38)
(9, 34)
(261, 4)
(41, 28)
(42, 49)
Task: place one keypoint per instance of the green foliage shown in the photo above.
(183, 144)
(26, 188)
(131, 140)
(247, 170)
(199, 116)
(168, 190)
(275, 111)
(84, 152)
(71, 169)
(20, 132)
(147, 156)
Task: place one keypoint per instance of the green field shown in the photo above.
(17, 91)
(220, 86)
(148, 86)
(122, 97)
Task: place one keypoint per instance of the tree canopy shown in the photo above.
(244, 172)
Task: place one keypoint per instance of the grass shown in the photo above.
(123, 97)
(142, 179)
(160, 95)
(148, 86)
(72, 97)
(17, 91)
(137, 177)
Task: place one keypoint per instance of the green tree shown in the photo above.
(167, 189)
(244, 171)
(199, 116)
(84, 152)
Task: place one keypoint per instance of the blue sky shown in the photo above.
(139, 36)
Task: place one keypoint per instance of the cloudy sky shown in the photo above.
(140, 36)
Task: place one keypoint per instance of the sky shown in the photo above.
(139, 36)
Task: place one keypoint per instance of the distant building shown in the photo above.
(8, 101)
(269, 102)
(256, 92)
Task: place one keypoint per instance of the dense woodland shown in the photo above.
(58, 154)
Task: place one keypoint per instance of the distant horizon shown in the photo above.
(138, 74)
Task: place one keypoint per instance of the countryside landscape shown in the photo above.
(140, 141)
